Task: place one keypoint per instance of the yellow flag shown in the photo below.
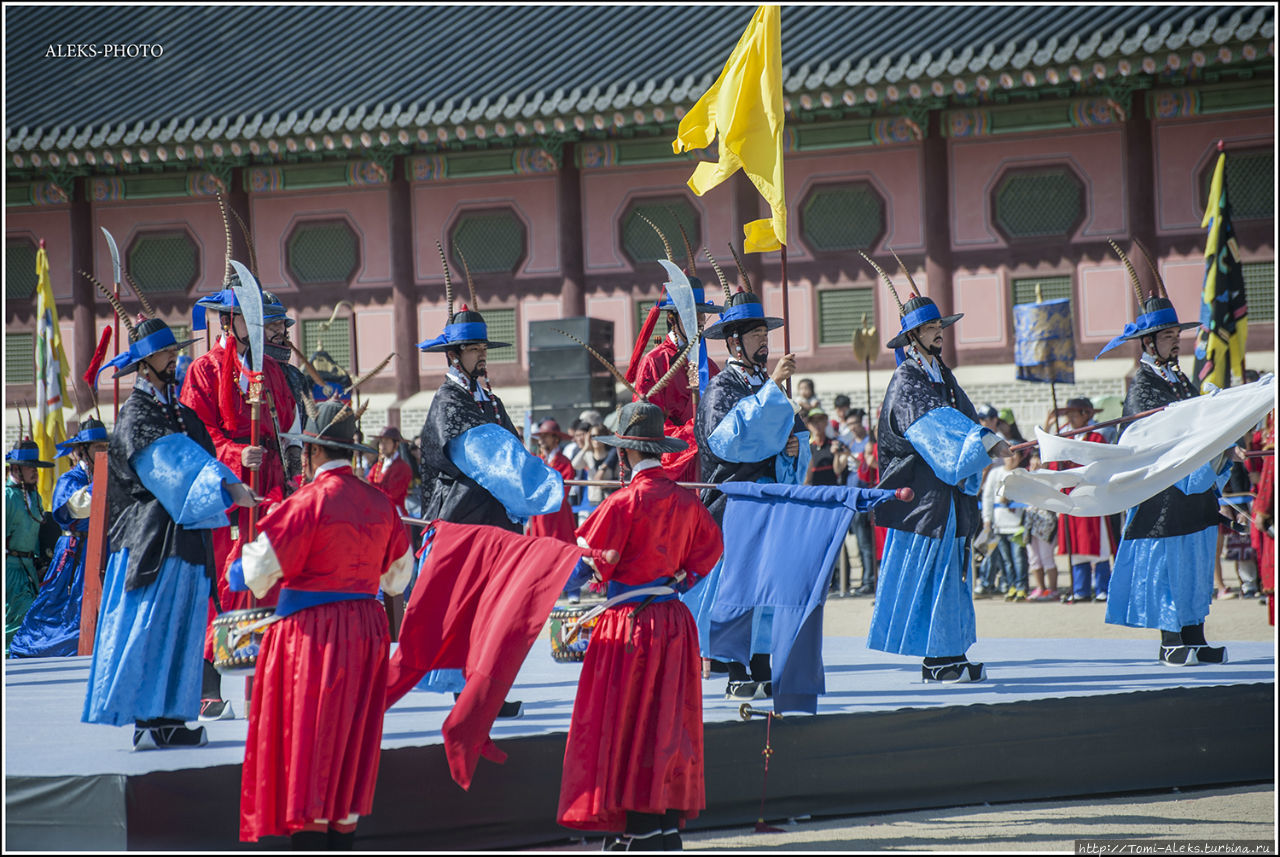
(744, 107)
(49, 429)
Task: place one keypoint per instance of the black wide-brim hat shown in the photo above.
(148, 337)
(26, 453)
(743, 312)
(640, 427)
(918, 312)
(467, 327)
(324, 430)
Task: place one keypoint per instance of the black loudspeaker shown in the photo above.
(564, 379)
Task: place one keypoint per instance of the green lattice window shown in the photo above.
(501, 324)
(840, 313)
(19, 358)
(323, 252)
(643, 246)
(163, 262)
(335, 339)
(1260, 290)
(1250, 184)
(1039, 203)
(1051, 289)
(492, 242)
(843, 217)
(659, 329)
(19, 270)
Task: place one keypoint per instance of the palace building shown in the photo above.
(995, 149)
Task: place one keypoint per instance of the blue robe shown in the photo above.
(929, 441)
(51, 627)
(148, 658)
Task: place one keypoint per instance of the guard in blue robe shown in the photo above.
(51, 627)
(1163, 575)
(167, 490)
(929, 441)
(746, 431)
(474, 469)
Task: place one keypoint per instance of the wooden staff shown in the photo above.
(95, 558)
(786, 315)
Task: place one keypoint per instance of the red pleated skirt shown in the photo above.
(315, 721)
(635, 741)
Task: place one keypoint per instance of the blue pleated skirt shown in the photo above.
(1163, 583)
(924, 601)
(51, 627)
(148, 658)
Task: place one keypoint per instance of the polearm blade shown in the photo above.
(681, 292)
(249, 296)
(115, 270)
(117, 276)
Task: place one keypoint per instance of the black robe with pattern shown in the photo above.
(724, 391)
(448, 494)
(137, 520)
(911, 394)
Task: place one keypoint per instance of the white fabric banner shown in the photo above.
(1154, 453)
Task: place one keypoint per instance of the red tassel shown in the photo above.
(228, 389)
(99, 355)
(642, 342)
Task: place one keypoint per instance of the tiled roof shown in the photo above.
(262, 72)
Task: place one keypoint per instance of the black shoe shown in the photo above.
(1210, 654)
(511, 710)
(164, 737)
(309, 840)
(959, 673)
(671, 841)
(764, 690)
(652, 841)
(741, 690)
(216, 709)
(339, 841)
(1178, 656)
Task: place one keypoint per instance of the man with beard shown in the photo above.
(746, 431)
(474, 468)
(167, 489)
(23, 515)
(930, 441)
(1163, 574)
(216, 389)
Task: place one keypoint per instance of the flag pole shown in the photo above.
(786, 314)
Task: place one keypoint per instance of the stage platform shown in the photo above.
(1056, 718)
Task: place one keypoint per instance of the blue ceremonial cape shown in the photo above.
(781, 542)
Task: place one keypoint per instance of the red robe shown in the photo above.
(1077, 536)
(1264, 546)
(392, 478)
(315, 720)
(559, 524)
(635, 741)
(204, 392)
(676, 401)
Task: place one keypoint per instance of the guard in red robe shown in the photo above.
(633, 759)
(1263, 533)
(213, 389)
(560, 523)
(391, 474)
(1088, 542)
(315, 720)
(676, 398)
